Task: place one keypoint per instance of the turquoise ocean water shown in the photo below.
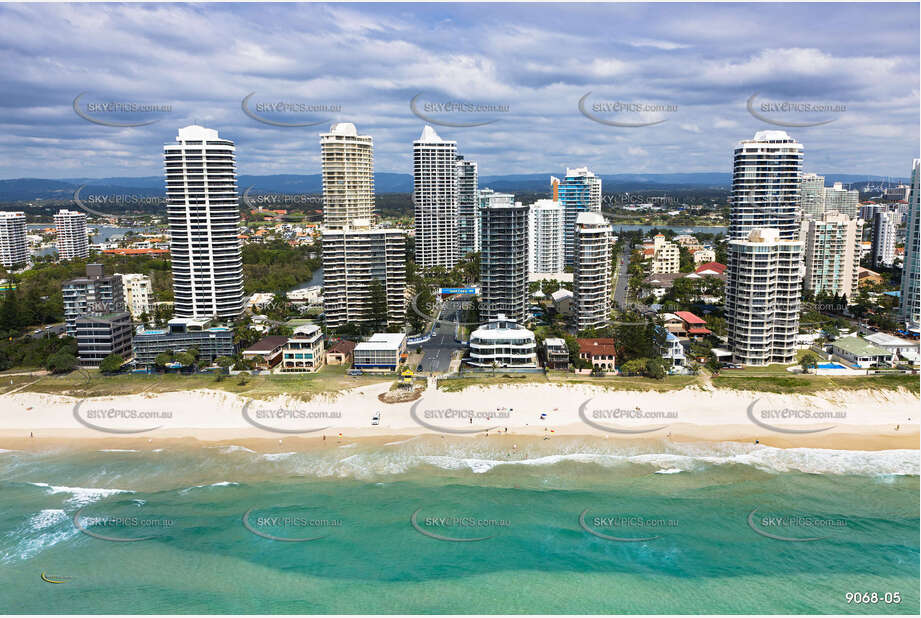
(664, 528)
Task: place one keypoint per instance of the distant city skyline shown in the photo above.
(389, 69)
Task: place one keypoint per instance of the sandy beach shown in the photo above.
(852, 420)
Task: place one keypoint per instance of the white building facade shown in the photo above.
(812, 194)
(348, 175)
(137, 291)
(502, 343)
(435, 200)
(763, 290)
(545, 237)
(204, 217)
(72, 242)
(14, 250)
(764, 273)
(592, 271)
(831, 253)
(884, 229)
(842, 200)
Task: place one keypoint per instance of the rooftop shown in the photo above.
(884, 339)
(266, 344)
(597, 346)
(343, 346)
(689, 317)
(561, 294)
(711, 266)
(859, 347)
(382, 341)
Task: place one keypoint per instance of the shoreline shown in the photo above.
(849, 420)
(870, 440)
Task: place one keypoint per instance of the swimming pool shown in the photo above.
(831, 366)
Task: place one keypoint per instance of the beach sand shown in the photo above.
(849, 420)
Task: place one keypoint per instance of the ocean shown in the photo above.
(425, 525)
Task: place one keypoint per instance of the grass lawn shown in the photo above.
(771, 379)
(91, 383)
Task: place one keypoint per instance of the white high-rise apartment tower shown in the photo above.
(468, 228)
(348, 175)
(14, 250)
(812, 194)
(204, 217)
(831, 252)
(592, 271)
(136, 290)
(910, 297)
(435, 198)
(763, 297)
(764, 278)
(883, 241)
(545, 237)
(72, 242)
(356, 253)
(842, 200)
(766, 179)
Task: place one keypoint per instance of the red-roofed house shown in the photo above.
(341, 353)
(711, 268)
(599, 352)
(693, 326)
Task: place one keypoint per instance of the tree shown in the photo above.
(377, 305)
(185, 359)
(163, 359)
(807, 360)
(224, 362)
(655, 368)
(61, 362)
(634, 367)
(111, 363)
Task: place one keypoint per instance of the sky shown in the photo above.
(528, 64)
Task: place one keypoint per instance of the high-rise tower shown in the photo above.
(204, 217)
(435, 196)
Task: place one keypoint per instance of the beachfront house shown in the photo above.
(341, 353)
(860, 352)
(502, 343)
(599, 352)
(382, 352)
(556, 353)
(266, 353)
(303, 351)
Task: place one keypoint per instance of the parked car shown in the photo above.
(376, 419)
(354, 372)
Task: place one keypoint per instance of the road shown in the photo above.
(54, 329)
(438, 350)
(620, 288)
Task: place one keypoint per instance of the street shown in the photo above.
(438, 350)
(620, 289)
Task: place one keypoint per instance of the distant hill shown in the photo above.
(25, 189)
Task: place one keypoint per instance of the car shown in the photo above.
(419, 368)
(354, 372)
(376, 419)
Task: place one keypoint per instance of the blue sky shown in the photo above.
(538, 60)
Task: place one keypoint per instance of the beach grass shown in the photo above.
(806, 384)
(771, 379)
(91, 383)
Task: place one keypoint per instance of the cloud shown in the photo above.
(370, 60)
